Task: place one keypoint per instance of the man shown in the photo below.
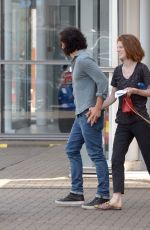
(90, 88)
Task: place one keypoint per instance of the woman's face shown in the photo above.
(121, 51)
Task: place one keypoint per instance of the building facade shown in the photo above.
(36, 92)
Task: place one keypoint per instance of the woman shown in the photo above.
(127, 77)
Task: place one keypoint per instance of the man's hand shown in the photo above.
(93, 114)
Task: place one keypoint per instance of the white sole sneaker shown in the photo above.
(69, 203)
(88, 207)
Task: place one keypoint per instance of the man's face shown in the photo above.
(62, 45)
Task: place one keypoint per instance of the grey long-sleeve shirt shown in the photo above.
(89, 81)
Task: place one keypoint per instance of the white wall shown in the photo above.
(145, 29)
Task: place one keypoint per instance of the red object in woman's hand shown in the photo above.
(127, 105)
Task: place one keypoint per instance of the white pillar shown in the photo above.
(145, 33)
(113, 28)
(113, 32)
(129, 16)
(133, 17)
(145, 29)
(41, 81)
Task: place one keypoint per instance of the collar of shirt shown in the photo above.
(79, 52)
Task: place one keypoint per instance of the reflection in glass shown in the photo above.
(17, 30)
(32, 27)
(40, 105)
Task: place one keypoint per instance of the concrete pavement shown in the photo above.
(34, 174)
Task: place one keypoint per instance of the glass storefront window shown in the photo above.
(95, 23)
(38, 102)
(35, 80)
(32, 27)
(16, 24)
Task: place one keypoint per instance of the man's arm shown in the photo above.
(95, 112)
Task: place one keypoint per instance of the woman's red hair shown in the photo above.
(132, 46)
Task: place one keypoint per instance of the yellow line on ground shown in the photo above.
(3, 145)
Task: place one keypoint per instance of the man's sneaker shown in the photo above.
(94, 202)
(71, 200)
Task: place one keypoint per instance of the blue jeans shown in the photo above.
(82, 132)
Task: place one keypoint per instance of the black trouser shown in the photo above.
(123, 137)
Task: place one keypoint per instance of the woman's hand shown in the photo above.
(130, 91)
(141, 92)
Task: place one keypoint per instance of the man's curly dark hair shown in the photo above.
(73, 39)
